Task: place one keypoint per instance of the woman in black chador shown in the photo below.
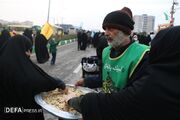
(21, 80)
(4, 37)
(41, 49)
(28, 33)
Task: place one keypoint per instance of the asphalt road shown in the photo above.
(67, 66)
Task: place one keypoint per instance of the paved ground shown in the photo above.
(67, 66)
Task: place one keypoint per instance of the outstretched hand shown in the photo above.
(65, 91)
(80, 83)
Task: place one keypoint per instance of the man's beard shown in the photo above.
(118, 40)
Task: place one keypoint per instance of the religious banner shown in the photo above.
(47, 30)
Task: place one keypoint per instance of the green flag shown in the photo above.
(166, 16)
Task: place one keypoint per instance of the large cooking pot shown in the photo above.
(57, 112)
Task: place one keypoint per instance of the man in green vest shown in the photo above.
(122, 60)
(123, 57)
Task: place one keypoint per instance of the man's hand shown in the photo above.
(80, 83)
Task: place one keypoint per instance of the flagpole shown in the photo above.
(48, 10)
(173, 11)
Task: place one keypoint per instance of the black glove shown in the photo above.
(75, 103)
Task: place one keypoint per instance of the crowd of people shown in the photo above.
(139, 81)
(151, 93)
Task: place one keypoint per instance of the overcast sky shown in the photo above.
(86, 13)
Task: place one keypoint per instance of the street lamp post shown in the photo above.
(173, 11)
(48, 10)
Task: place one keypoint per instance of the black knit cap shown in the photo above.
(120, 19)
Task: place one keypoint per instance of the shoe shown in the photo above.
(52, 63)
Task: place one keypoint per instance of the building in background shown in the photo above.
(16, 26)
(144, 23)
(67, 28)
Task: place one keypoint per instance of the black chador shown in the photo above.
(41, 49)
(20, 81)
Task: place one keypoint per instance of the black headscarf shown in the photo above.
(21, 79)
(154, 96)
(41, 49)
(4, 37)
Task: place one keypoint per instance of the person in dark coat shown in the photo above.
(95, 39)
(143, 39)
(28, 33)
(155, 95)
(101, 44)
(41, 49)
(4, 37)
(21, 80)
(84, 39)
(79, 40)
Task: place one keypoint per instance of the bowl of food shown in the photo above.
(54, 101)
